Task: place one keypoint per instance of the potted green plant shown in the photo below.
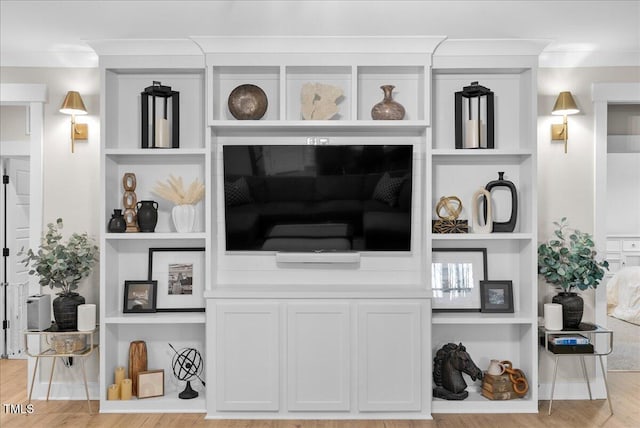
(62, 265)
(569, 262)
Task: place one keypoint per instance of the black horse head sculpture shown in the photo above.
(450, 362)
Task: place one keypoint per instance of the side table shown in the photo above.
(62, 344)
(590, 331)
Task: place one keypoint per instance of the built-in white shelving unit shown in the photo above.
(125, 256)
(333, 342)
(510, 256)
(308, 341)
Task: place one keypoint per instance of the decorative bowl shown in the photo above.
(247, 102)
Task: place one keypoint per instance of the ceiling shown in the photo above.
(580, 33)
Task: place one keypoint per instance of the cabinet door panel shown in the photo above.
(247, 370)
(389, 352)
(318, 356)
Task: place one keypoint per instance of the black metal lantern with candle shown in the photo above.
(474, 117)
(160, 123)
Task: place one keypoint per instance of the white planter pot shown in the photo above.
(184, 218)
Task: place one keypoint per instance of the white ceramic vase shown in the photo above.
(184, 218)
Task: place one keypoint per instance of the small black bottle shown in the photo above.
(117, 224)
(504, 226)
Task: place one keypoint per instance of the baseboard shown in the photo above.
(65, 391)
(573, 391)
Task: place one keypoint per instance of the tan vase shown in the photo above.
(137, 363)
(387, 109)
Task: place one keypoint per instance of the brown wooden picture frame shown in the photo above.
(151, 383)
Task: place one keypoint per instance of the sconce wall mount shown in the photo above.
(565, 105)
(73, 105)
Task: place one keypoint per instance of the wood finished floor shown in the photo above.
(625, 394)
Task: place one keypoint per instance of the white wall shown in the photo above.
(71, 181)
(70, 188)
(566, 183)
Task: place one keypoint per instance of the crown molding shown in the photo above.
(580, 59)
(104, 47)
(61, 59)
(318, 44)
(494, 47)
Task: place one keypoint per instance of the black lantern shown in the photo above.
(160, 126)
(474, 118)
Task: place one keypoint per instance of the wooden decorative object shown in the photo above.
(449, 223)
(129, 200)
(137, 363)
(511, 384)
(449, 226)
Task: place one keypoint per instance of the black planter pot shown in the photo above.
(65, 311)
(572, 308)
(147, 215)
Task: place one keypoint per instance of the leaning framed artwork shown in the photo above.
(180, 276)
(139, 297)
(151, 383)
(455, 278)
(496, 296)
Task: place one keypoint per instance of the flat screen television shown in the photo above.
(317, 198)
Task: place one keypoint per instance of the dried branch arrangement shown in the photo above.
(173, 191)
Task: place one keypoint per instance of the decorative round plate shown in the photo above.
(247, 102)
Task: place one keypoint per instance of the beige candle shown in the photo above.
(119, 375)
(125, 389)
(473, 134)
(113, 392)
(162, 134)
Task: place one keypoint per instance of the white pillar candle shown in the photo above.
(473, 131)
(162, 134)
(553, 316)
(86, 317)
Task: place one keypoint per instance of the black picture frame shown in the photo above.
(165, 267)
(139, 297)
(496, 296)
(454, 262)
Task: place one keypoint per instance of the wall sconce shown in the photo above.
(73, 105)
(565, 105)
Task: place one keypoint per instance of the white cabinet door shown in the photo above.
(318, 357)
(389, 357)
(247, 369)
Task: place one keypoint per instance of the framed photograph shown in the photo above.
(139, 297)
(455, 278)
(496, 296)
(151, 384)
(180, 276)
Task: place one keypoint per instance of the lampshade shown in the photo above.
(73, 104)
(565, 104)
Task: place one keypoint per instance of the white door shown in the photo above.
(247, 356)
(389, 357)
(17, 237)
(318, 356)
